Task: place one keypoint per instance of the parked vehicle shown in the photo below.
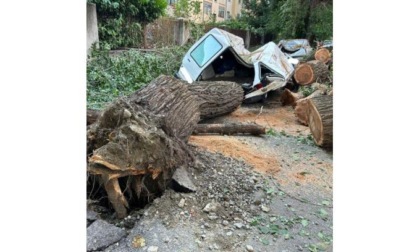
(327, 44)
(295, 48)
(220, 55)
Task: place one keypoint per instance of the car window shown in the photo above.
(206, 50)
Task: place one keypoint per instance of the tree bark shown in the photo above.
(311, 71)
(138, 141)
(323, 55)
(287, 97)
(92, 115)
(229, 129)
(301, 108)
(320, 113)
(143, 137)
(215, 98)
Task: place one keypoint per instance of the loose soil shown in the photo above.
(272, 192)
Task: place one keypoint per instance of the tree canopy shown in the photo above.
(285, 19)
(120, 22)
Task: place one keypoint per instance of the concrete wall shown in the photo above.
(92, 35)
(168, 32)
(181, 32)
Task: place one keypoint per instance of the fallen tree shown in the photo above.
(215, 98)
(92, 115)
(142, 139)
(310, 72)
(317, 113)
(229, 129)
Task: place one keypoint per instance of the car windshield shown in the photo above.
(206, 50)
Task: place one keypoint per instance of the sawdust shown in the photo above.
(231, 147)
(279, 119)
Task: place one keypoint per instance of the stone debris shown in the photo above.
(102, 234)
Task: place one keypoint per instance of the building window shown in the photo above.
(228, 15)
(239, 1)
(221, 12)
(207, 8)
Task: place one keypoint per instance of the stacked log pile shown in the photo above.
(315, 110)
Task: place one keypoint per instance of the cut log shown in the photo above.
(217, 98)
(287, 97)
(320, 114)
(229, 129)
(323, 55)
(138, 141)
(301, 111)
(311, 71)
(301, 108)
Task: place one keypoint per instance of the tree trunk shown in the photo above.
(143, 137)
(323, 55)
(320, 113)
(301, 108)
(92, 115)
(311, 71)
(287, 97)
(229, 129)
(138, 141)
(217, 98)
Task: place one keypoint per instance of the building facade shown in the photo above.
(214, 10)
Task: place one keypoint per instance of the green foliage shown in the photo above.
(120, 22)
(255, 14)
(307, 90)
(288, 19)
(239, 24)
(308, 140)
(109, 77)
(187, 8)
(321, 21)
(197, 30)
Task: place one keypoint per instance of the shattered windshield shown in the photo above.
(206, 50)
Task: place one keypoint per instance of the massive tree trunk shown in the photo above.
(144, 137)
(215, 98)
(311, 71)
(229, 129)
(323, 55)
(137, 142)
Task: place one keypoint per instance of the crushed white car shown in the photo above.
(220, 55)
(295, 48)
